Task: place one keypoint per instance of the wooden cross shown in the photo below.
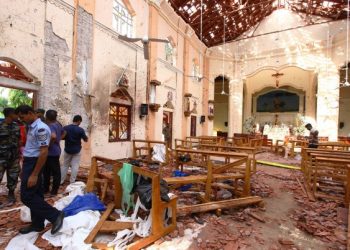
(277, 75)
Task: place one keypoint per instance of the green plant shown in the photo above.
(18, 97)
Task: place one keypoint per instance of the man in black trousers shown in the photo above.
(35, 155)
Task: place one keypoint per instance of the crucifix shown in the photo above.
(277, 75)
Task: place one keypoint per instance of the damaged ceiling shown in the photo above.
(243, 15)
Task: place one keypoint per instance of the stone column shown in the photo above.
(328, 102)
(235, 109)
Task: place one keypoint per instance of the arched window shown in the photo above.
(122, 20)
(120, 116)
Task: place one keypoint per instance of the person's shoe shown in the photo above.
(29, 229)
(56, 226)
(11, 197)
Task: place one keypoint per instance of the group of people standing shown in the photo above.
(40, 159)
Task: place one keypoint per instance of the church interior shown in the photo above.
(211, 124)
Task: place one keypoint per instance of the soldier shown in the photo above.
(9, 151)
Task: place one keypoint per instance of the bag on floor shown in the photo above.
(80, 203)
(143, 188)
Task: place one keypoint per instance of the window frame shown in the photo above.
(122, 19)
(129, 116)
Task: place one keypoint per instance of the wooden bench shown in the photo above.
(97, 179)
(179, 143)
(216, 140)
(159, 207)
(251, 151)
(332, 174)
(233, 166)
(311, 167)
(142, 150)
(342, 146)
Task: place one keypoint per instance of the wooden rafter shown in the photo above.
(242, 18)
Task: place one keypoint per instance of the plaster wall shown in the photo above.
(23, 21)
(105, 76)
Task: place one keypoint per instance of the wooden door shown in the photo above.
(193, 125)
(168, 121)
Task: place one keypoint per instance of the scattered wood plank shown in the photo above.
(209, 206)
(348, 243)
(255, 216)
(301, 185)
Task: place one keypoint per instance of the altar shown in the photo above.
(276, 132)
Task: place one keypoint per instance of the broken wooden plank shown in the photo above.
(114, 226)
(348, 243)
(255, 216)
(209, 206)
(99, 224)
(302, 186)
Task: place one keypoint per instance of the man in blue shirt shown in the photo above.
(73, 134)
(52, 166)
(35, 155)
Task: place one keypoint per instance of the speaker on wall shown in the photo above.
(143, 110)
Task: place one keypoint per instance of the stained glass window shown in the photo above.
(122, 20)
(119, 122)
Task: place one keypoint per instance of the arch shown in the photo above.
(15, 70)
(280, 68)
(122, 94)
(129, 7)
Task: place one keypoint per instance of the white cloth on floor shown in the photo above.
(23, 242)
(159, 153)
(74, 189)
(25, 214)
(74, 231)
(122, 239)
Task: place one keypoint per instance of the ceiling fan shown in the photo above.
(145, 41)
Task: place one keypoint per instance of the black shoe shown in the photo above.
(30, 229)
(11, 197)
(56, 226)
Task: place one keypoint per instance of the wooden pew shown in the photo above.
(310, 166)
(342, 146)
(251, 151)
(207, 139)
(142, 150)
(332, 173)
(234, 166)
(179, 143)
(159, 207)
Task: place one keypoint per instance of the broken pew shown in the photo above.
(158, 228)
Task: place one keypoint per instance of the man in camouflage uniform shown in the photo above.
(9, 151)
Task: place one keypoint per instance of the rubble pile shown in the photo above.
(324, 219)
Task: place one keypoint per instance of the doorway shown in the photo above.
(221, 102)
(168, 127)
(193, 125)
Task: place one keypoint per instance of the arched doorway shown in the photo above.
(17, 85)
(221, 106)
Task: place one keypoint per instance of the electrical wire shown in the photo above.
(347, 47)
(223, 60)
